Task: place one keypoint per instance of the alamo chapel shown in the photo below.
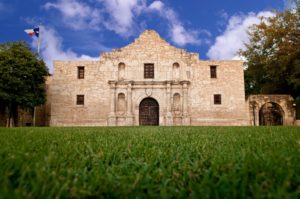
(150, 82)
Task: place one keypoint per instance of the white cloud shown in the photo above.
(181, 36)
(221, 23)
(114, 15)
(156, 5)
(289, 4)
(52, 48)
(77, 15)
(227, 45)
(121, 15)
(224, 15)
(178, 33)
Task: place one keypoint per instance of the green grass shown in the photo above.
(152, 162)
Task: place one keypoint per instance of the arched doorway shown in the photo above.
(149, 112)
(270, 114)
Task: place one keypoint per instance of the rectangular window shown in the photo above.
(217, 99)
(80, 72)
(80, 100)
(149, 71)
(213, 71)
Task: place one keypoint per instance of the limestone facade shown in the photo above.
(114, 87)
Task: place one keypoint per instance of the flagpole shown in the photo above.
(39, 41)
(38, 49)
(36, 32)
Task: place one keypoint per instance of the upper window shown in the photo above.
(121, 71)
(149, 71)
(217, 99)
(213, 71)
(80, 100)
(80, 72)
(176, 72)
(175, 65)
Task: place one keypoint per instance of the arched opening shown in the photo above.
(270, 114)
(121, 71)
(149, 112)
(175, 65)
(176, 70)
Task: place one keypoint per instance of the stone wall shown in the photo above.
(229, 83)
(182, 86)
(285, 102)
(65, 86)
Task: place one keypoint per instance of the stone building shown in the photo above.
(150, 82)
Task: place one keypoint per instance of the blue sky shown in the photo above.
(78, 29)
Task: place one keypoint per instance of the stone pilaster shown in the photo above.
(112, 120)
(168, 117)
(129, 115)
(185, 115)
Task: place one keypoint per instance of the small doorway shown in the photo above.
(149, 112)
(270, 114)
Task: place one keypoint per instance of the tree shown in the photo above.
(22, 78)
(273, 55)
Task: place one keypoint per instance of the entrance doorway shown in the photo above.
(270, 114)
(149, 112)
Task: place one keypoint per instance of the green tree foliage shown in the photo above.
(273, 55)
(22, 78)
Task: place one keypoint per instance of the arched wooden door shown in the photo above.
(149, 112)
(270, 114)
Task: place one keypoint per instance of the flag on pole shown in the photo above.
(36, 32)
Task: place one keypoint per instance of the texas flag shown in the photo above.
(31, 32)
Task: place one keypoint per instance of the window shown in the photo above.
(80, 72)
(149, 71)
(217, 99)
(121, 71)
(176, 72)
(80, 100)
(175, 65)
(213, 71)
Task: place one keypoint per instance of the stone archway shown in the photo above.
(149, 112)
(270, 114)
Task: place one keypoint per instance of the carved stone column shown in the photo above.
(129, 116)
(169, 118)
(185, 115)
(112, 120)
(257, 115)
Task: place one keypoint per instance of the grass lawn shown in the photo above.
(154, 162)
